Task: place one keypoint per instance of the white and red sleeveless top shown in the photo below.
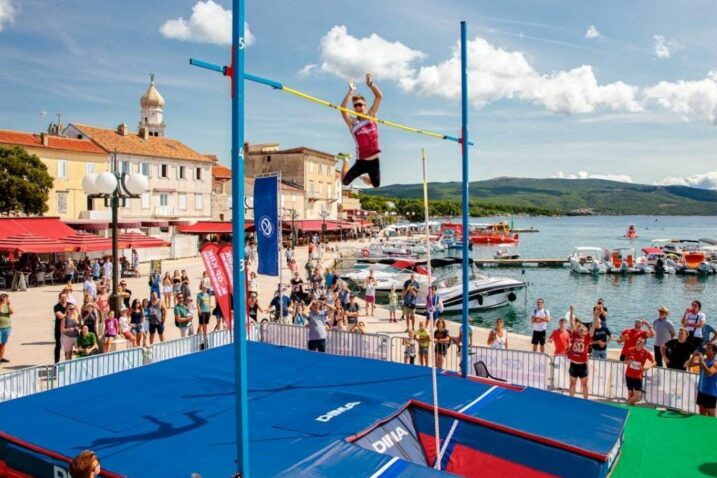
(366, 137)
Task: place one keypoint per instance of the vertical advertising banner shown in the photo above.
(266, 222)
(217, 277)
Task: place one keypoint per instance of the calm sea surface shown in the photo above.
(627, 297)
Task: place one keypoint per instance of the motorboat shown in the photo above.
(484, 292)
(622, 261)
(493, 234)
(631, 233)
(382, 250)
(588, 260)
(654, 258)
(506, 254)
(694, 261)
(440, 268)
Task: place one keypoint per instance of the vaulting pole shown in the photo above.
(239, 298)
(464, 190)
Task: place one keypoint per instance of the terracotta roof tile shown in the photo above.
(53, 142)
(157, 146)
(221, 172)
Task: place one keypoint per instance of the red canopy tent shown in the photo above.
(138, 240)
(212, 227)
(32, 243)
(90, 243)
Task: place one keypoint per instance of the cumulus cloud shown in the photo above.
(209, 23)
(349, 57)
(663, 47)
(307, 70)
(592, 33)
(706, 180)
(687, 98)
(495, 73)
(7, 13)
(622, 178)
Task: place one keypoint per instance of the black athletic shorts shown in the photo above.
(538, 337)
(633, 384)
(204, 318)
(364, 166)
(706, 401)
(578, 370)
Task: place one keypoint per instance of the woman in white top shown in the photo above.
(693, 320)
(498, 337)
(370, 295)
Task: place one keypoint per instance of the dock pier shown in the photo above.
(522, 262)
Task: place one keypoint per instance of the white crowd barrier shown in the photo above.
(23, 382)
(673, 389)
(95, 366)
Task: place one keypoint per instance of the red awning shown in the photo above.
(50, 227)
(213, 227)
(154, 223)
(179, 222)
(88, 225)
(90, 243)
(138, 240)
(32, 243)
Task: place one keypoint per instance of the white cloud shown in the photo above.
(307, 70)
(209, 23)
(622, 178)
(592, 33)
(687, 98)
(349, 57)
(494, 73)
(663, 47)
(706, 180)
(7, 13)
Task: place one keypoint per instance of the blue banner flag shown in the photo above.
(266, 222)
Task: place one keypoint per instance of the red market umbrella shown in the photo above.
(33, 243)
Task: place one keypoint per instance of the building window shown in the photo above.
(61, 168)
(62, 202)
(90, 168)
(144, 169)
(164, 199)
(311, 167)
(311, 185)
(181, 172)
(198, 174)
(199, 202)
(321, 169)
(164, 171)
(125, 167)
(182, 202)
(321, 187)
(146, 199)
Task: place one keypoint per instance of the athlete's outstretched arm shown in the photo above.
(345, 104)
(378, 96)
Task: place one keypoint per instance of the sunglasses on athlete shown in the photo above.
(359, 105)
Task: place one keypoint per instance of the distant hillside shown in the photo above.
(569, 195)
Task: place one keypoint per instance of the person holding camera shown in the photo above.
(693, 320)
(410, 292)
(707, 386)
(318, 310)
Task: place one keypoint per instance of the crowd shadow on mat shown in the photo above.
(708, 469)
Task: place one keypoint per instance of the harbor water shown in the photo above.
(628, 297)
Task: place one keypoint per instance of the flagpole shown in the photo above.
(281, 240)
(466, 211)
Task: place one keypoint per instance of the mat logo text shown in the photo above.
(336, 412)
(389, 440)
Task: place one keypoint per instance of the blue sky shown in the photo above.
(558, 88)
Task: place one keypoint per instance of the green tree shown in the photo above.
(24, 182)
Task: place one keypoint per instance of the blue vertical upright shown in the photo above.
(239, 298)
(464, 191)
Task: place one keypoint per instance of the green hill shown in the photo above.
(568, 196)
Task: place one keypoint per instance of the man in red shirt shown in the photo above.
(629, 337)
(561, 338)
(635, 360)
(580, 340)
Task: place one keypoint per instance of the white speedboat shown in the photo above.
(506, 254)
(483, 293)
(588, 260)
(440, 268)
(653, 259)
(622, 261)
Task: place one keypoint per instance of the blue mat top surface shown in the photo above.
(177, 417)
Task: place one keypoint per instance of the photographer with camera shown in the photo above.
(318, 316)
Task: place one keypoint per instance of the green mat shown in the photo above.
(668, 444)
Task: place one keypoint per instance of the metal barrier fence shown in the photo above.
(95, 366)
(24, 382)
(674, 389)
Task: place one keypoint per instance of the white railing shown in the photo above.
(673, 389)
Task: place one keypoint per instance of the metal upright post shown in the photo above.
(464, 190)
(239, 297)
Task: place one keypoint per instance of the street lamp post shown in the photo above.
(115, 187)
(324, 214)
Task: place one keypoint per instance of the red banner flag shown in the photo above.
(226, 259)
(218, 278)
